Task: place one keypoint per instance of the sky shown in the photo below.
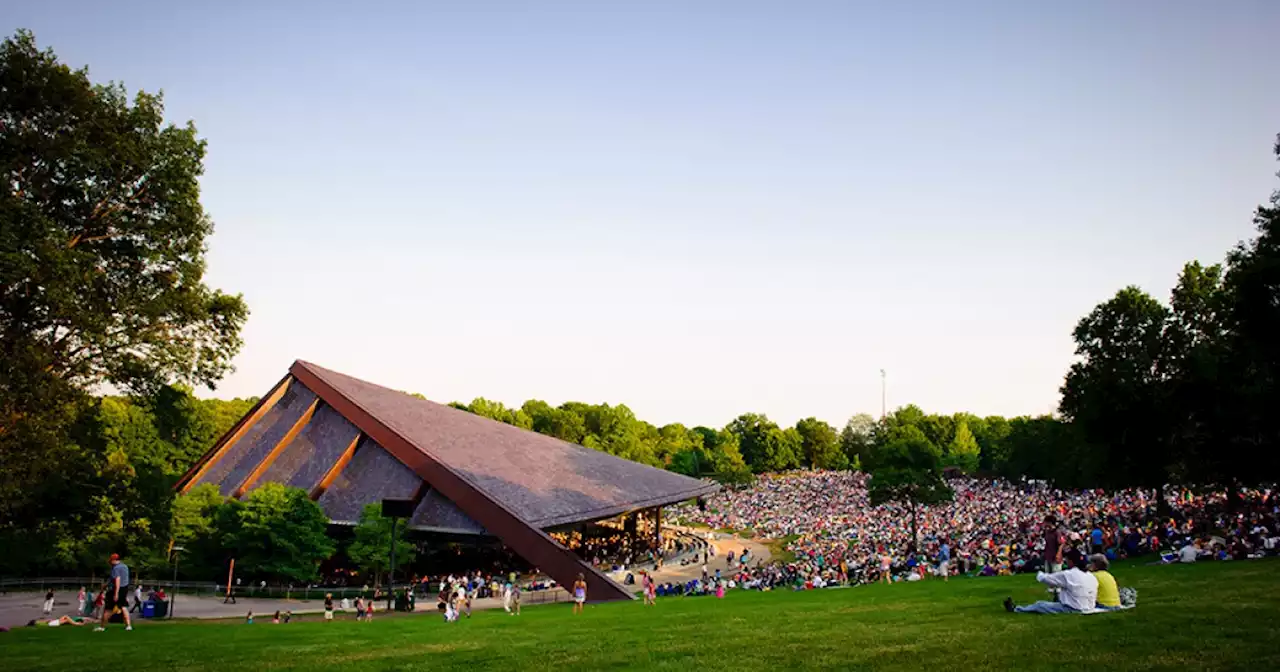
(700, 209)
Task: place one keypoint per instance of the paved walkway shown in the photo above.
(16, 609)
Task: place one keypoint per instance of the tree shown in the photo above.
(1250, 354)
(992, 434)
(765, 446)
(277, 531)
(819, 445)
(964, 452)
(193, 527)
(721, 451)
(907, 469)
(1117, 393)
(371, 549)
(102, 244)
(495, 410)
(857, 438)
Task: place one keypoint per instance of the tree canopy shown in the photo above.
(102, 259)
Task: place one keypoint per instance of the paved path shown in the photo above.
(18, 608)
(723, 543)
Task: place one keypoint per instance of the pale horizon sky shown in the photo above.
(700, 209)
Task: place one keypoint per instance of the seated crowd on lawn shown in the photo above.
(991, 527)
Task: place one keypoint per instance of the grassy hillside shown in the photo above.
(1220, 615)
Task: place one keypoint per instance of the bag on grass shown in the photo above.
(1128, 597)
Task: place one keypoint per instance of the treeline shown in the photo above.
(113, 489)
(753, 444)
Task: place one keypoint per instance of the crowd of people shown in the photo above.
(991, 527)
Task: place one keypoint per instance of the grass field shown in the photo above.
(1204, 616)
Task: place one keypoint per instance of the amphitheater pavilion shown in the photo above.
(350, 443)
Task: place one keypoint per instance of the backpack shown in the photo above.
(1128, 597)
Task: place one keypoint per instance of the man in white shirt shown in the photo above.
(1077, 591)
(1189, 553)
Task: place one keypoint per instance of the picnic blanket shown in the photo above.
(1096, 610)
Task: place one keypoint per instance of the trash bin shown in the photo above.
(162, 609)
(149, 609)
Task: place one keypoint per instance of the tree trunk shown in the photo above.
(1233, 496)
(1162, 504)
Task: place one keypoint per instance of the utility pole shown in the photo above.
(883, 394)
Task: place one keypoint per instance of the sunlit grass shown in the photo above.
(1217, 615)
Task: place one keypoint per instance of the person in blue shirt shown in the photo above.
(944, 560)
(1095, 539)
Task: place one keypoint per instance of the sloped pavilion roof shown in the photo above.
(350, 442)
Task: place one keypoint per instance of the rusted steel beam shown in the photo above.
(336, 469)
(277, 449)
(229, 439)
(531, 543)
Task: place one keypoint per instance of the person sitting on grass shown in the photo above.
(248, 618)
(1077, 592)
(1108, 592)
(276, 619)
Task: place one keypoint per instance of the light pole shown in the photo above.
(174, 600)
(883, 395)
(391, 576)
(395, 509)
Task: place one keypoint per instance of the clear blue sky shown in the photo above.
(700, 208)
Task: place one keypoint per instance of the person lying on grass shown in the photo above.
(1077, 592)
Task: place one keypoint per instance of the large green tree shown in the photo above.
(102, 247)
(857, 438)
(765, 446)
(1117, 393)
(820, 446)
(277, 531)
(963, 452)
(907, 469)
(1250, 355)
(371, 548)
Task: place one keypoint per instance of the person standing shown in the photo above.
(515, 598)
(506, 597)
(1054, 540)
(48, 602)
(80, 600)
(117, 594)
(328, 606)
(580, 592)
(944, 560)
(137, 599)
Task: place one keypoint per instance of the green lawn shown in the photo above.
(1213, 615)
